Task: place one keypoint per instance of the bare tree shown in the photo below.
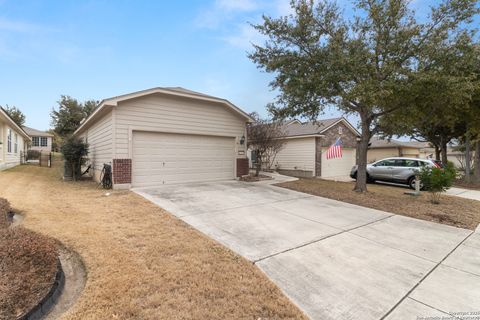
(264, 139)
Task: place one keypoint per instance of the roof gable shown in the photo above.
(37, 133)
(296, 128)
(173, 91)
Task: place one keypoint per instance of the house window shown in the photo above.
(35, 141)
(9, 140)
(340, 130)
(43, 141)
(16, 143)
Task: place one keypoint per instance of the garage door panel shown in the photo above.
(164, 158)
(338, 167)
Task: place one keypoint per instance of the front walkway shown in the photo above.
(464, 193)
(336, 260)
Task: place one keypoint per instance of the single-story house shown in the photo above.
(13, 141)
(304, 151)
(166, 136)
(383, 148)
(41, 140)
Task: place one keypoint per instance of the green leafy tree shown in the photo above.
(75, 151)
(364, 66)
(437, 110)
(69, 114)
(89, 106)
(17, 116)
(436, 181)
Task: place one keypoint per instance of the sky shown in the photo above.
(99, 49)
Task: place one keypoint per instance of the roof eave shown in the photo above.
(113, 102)
(12, 123)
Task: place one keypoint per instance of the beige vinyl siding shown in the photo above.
(159, 113)
(100, 139)
(297, 154)
(12, 158)
(381, 153)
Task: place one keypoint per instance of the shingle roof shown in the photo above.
(293, 128)
(36, 133)
(377, 143)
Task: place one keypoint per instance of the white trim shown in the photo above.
(114, 133)
(316, 135)
(113, 102)
(293, 121)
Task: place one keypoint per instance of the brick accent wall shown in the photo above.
(122, 171)
(349, 140)
(242, 167)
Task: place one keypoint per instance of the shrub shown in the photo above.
(75, 152)
(436, 180)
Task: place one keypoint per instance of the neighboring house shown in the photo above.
(306, 143)
(383, 148)
(41, 140)
(166, 136)
(13, 141)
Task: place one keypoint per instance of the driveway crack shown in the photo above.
(424, 277)
(322, 238)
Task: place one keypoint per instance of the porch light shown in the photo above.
(242, 140)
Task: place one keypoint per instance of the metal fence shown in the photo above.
(43, 159)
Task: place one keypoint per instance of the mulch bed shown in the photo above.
(454, 211)
(28, 265)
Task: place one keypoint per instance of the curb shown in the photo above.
(44, 306)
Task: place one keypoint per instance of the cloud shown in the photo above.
(236, 5)
(224, 10)
(244, 36)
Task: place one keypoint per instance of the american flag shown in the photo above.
(335, 150)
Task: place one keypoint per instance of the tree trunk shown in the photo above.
(437, 153)
(444, 150)
(74, 174)
(258, 165)
(361, 184)
(467, 159)
(477, 162)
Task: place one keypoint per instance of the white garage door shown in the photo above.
(338, 167)
(164, 158)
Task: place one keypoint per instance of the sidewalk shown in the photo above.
(464, 193)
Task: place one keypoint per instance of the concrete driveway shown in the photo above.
(336, 260)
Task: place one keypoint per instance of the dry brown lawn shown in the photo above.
(142, 263)
(453, 211)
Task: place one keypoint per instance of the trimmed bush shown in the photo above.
(436, 180)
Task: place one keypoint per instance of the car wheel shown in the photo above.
(370, 179)
(411, 183)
